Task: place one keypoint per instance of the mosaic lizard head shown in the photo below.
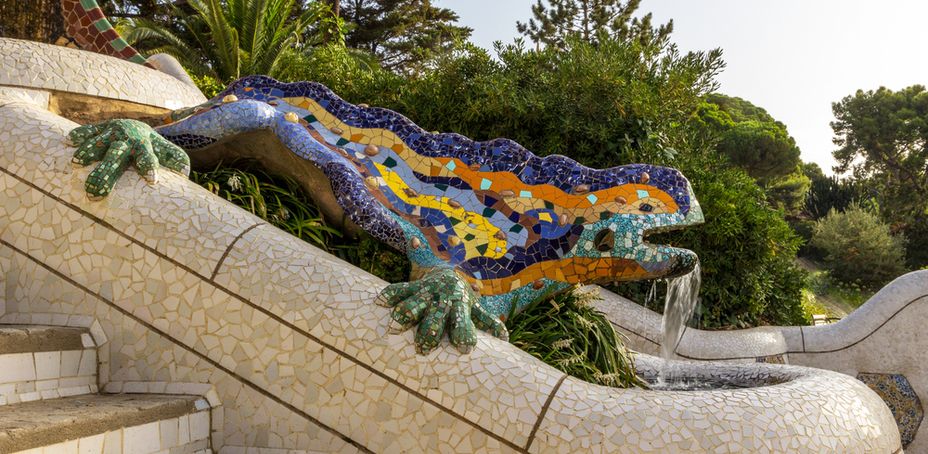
(643, 200)
(573, 224)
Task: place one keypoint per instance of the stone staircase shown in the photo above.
(49, 402)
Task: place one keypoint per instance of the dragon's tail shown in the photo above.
(86, 24)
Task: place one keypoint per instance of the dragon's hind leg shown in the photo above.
(440, 300)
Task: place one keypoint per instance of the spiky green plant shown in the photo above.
(278, 200)
(566, 332)
(283, 203)
(234, 38)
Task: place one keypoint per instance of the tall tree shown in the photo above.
(883, 135)
(588, 20)
(750, 137)
(401, 33)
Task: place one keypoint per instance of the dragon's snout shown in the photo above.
(683, 263)
(624, 238)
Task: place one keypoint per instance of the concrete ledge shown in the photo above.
(31, 339)
(35, 424)
(32, 65)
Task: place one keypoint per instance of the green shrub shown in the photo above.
(375, 257)
(566, 332)
(916, 234)
(811, 306)
(805, 228)
(832, 193)
(353, 75)
(788, 193)
(210, 86)
(859, 247)
(851, 295)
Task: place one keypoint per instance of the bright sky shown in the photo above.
(791, 57)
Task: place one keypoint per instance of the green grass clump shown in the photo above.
(278, 200)
(852, 295)
(282, 202)
(566, 332)
(812, 306)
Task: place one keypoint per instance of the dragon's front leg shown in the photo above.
(442, 300)
(118, 143)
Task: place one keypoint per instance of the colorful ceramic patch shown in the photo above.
(901, 399)
(510, 225)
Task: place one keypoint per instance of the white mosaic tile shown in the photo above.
(45, 375)
(140, 356)
(323, 296)
(827, 412)
(44, 66)
(38, 97)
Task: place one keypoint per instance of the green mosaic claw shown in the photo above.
(440, 300)
(118, 143)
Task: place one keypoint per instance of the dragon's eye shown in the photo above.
(604, 240)
(646, 208)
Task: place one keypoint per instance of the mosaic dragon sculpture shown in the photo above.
(488, 226)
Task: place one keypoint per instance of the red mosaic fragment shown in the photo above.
(95, 14)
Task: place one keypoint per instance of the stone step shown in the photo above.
(45, 362)
(107, 423)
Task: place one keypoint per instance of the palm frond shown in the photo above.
(227, 39)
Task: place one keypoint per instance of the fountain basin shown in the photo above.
(882, 343)
(664, 375)
(796, 409)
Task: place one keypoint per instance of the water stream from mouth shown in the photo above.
(679, 304)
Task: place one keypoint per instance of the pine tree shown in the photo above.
(589, 20)
(403, 34)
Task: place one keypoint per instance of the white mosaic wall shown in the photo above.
(189, 289)
(28, 64)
